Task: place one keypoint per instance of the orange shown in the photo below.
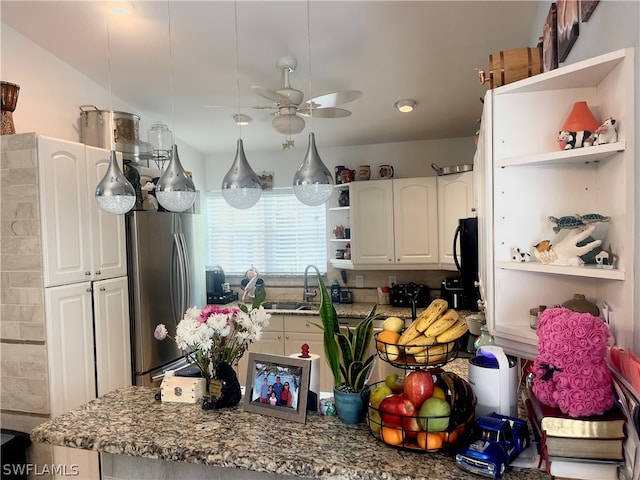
(430, 441)
(387, 336)
(392, 436)
(450, 438)
(439, 392)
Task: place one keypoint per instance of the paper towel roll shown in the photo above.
(314, 377)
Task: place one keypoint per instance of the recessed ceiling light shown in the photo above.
(406, 106)
(242, 119)
(121, 8)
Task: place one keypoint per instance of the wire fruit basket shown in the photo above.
(414, 356)
(423, 433)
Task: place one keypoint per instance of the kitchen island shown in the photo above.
(145, 438)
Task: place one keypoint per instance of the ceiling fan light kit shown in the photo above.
(312, 182)
(288, 123)
(406, 106)
(241, 186)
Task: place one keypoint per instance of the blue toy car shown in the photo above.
(496, 441)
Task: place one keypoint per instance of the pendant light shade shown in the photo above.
(114, 193)
(175, 189)
(241, 186)
(312, 183)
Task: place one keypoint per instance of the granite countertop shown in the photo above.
(129, 421)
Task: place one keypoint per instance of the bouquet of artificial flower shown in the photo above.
(214, 334)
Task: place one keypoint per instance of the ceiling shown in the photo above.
(172, 59)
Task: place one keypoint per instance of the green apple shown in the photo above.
(395, 382)
(378, 393)
(373, 420)
(434, 415)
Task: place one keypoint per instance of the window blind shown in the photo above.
(277, 235)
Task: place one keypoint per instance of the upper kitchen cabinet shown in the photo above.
(81, 242)
(394, 223)
(527, 178)
(455, 201)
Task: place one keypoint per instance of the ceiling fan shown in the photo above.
(290, 104)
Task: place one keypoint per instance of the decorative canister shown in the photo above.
(580, 119)
(580, 304)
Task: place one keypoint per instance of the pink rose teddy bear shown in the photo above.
(570, 370)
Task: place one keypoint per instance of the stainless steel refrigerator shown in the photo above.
(166, 276)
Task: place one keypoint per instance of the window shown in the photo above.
(277, 235)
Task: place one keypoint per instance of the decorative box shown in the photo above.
(182, 389)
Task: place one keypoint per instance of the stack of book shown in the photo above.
(589, 448)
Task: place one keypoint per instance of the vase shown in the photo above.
(581, 305)
(9, 96)
(222, 388)
(349, 405)
(581, 119)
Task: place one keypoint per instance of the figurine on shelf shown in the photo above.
(519, 256)
(568, 251)
(570, 140)
(607, 132)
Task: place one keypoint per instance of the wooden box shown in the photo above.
(182, 389)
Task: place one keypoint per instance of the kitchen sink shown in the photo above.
(299, 306)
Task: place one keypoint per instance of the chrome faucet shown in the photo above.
(306, 294)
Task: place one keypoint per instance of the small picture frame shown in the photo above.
(269, 377)
(568, 26)
(550, 40)
(586, 9)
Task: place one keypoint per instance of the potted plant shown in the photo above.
(347, 355)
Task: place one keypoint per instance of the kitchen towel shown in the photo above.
(314, 379)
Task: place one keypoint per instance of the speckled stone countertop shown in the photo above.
(129, 421)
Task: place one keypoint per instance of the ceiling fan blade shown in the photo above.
(332, 99)
(329, 112)
(255, 107)
(270, 95)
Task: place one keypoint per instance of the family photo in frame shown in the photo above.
(278, 386)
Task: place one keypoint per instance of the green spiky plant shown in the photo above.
(346, 354)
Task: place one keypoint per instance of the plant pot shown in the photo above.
(350, 406)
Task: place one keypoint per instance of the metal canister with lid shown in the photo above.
(534, 316)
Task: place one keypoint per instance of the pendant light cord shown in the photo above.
(235, 11)
(112, 126)
(173, 107)
(309, 50)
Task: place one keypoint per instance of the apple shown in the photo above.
(378, 393)
(434, 415)
(394, 408)
(374, 420)
(418, 386)
(395, 382)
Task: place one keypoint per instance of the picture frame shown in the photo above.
(550, 40)
(568, 26)
(282, 370)
(586, 9)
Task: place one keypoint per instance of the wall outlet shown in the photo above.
(359, 281)
(392, 280)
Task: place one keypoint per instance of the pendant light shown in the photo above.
(312, 182)
(175, 190)
(114, 194)
(240, 186)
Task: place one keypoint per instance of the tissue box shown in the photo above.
(182, 389)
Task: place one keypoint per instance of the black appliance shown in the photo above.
(402, 294)
(462, 291)
(218, 291)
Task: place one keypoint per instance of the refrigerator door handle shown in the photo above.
(181, 274)
(186, 272)
(455, 253)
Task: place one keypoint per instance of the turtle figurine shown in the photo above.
(592, 218)
(568, 222)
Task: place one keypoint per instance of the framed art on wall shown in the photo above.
(568, 26)
(586, 9)
(278, 386)
(550, 40)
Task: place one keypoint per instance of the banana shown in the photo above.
(435, 354)
(454, 332)
(431, 314)
(418, 345)
(409, 334)
(442, 324)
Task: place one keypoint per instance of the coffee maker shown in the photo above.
(218, 290)
(461, 290)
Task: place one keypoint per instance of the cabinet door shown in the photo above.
(415, 215)
(455, 201)
(113, 341)
(65, 214)
(108, 241)
(372, 222)
(71, 363)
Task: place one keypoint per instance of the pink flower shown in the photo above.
(160, 333)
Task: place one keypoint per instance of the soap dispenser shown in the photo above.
(335, 291)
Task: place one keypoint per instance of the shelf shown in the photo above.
(562, 157)
(342, 186)
(339, 209)
(343, 264)
(340, 240)
(583, 271)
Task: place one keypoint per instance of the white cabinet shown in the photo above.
(339, 215)
(80, 241)
(394, 223)
(528, 178)
(455, 201)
